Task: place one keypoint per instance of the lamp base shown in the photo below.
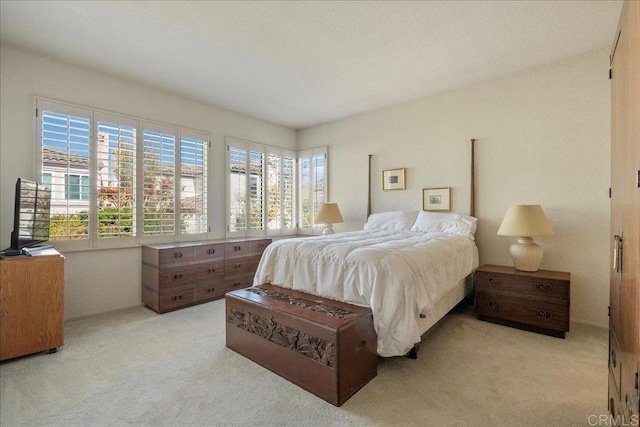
(328, 229)
(526, 254)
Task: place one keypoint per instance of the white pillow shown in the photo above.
(448, 223)
(399, 220)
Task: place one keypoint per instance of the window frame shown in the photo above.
(311, 154)
(94, 116)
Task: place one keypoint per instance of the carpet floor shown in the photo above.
(137, 368)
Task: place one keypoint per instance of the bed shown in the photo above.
(410, 268)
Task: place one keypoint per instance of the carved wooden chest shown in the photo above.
(326, 347)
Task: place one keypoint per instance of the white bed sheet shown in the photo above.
(398, 274)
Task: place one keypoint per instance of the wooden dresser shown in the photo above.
(178, 275)
(536, 301)
(31, 304)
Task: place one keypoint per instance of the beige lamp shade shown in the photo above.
(525, 221)
(328, 214)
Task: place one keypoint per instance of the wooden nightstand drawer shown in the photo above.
(536, 301)
(543, 314)
(522, 286)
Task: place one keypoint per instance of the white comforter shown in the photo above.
(398, 274)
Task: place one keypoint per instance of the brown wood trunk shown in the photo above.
(326, 347)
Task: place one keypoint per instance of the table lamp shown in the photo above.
(328, 214)
(525, 222)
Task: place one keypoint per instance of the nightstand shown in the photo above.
(535, 301)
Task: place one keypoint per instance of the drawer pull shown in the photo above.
(544, 314)
(177, 255)
(237, 248)
(211, 270)
(211, 290)
(177, 298)
(494, 280)
(211, 251)
(544, 287)
(235, 285)
(494, 305)
(237, 266)
(177, 276)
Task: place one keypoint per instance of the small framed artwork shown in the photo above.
(436, 199)
(393, 179)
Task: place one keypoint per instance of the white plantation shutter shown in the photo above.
(281, 180)
(256, 188)
(116, 181)
(312, 187)
(64, 136)
(193, 182)
(159, 179)
(246, 201)
(237, 188)
(288, 191)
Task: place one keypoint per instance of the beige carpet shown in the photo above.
(135, 367)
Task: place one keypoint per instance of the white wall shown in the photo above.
(543, 137)
(98, 281)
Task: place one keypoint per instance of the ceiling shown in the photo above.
(299, 64)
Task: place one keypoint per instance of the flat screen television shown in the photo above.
(31, 216)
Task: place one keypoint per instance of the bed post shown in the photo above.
(472, 201)
(369, 189)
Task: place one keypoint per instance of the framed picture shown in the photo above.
(393, 179)
(436, 199)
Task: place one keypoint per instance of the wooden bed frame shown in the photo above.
(463, 289)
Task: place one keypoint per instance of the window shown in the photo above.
(279, 187)
(76, 187)
(116, 157)
(116, 178)
(64, 133)
(281, 184)
(193, 183)
(312, 187)
(159, 178)
(245, 197)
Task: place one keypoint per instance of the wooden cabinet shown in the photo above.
(536, 301)
(624, 278)
(178, 275)
(31, 304)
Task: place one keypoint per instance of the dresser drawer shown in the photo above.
(174, 277)
(235, 249)
(210, 291)
(171, 256)
(258, 246)
(208, 271)
(173, 299)
(238, 282)
(522, 286)
(238, 266)
(530, 312)
(215, 251)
